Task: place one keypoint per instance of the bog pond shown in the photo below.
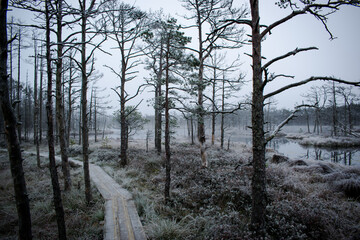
(294, 150)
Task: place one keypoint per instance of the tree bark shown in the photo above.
(334, 111)
(18, 94)
(85, 128)
(222, 130)
(258, 185)
(53, 171)
(36, 106)
(201, 87)
(213, 115)
(41, 96)
(59, 101)
(158, 104)
(167, 129)
(15, 158)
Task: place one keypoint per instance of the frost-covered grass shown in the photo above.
(325, 141)
(307, 200)
(82, 221)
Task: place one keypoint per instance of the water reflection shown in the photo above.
(291, 149)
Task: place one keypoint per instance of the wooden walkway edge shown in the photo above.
(121, 217)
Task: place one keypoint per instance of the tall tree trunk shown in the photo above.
(69, 103)
(123, 130)
(41, 96)
(258, 184)
(95, 120)
(59, 101)
(17, 172)
(201, 87)
(53, 171)
(85, 128)
(213, 115)
(18, 93)
(158, 103)
(192, 129)
(334, 111)
(222, 130)
(11, 63)
(167, 129)
(36, 106)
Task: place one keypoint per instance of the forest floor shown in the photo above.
(306, 199)
(82, 221)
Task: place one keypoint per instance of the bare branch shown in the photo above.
(311, 79)
(292, 53)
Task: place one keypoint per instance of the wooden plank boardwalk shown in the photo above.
(121, 218)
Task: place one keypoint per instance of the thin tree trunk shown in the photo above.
(167, 129)
(11, 63)
(123, 130)
(85, 129)
(258, 184)
(41, 96)
(95, 120)
(18, 88)
(69, 104)
(213, 115)
(17, 172)
(201, 124)
(222, 130)
(59, 101)
(36, 106)
(158, 103)
(53, 171)
(334, 112)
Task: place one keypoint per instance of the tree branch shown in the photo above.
(311, 79)
(292, 53)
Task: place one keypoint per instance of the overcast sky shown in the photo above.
(339, 57)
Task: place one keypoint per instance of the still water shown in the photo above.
(293, 150)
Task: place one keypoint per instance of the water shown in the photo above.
(292, 149)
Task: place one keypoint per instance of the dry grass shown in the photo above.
(83, 222)
(215, 203)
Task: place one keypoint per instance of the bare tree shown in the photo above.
(17, 172)
(53, 171)
(36, 104)
(60, 119)
(124, 24)
(207, 14)
(349, 99)
(317, 99)
(320, 10)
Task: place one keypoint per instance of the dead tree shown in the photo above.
(124, 25)
(10, 122)
(60, 119)
(36, 104)
(259, 31)
(207, 14)
(49, 106)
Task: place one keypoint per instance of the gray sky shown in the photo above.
(339, 57)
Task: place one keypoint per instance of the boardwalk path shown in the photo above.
(121, 218)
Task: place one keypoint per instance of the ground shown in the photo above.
(306, 199)
(82, 222)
